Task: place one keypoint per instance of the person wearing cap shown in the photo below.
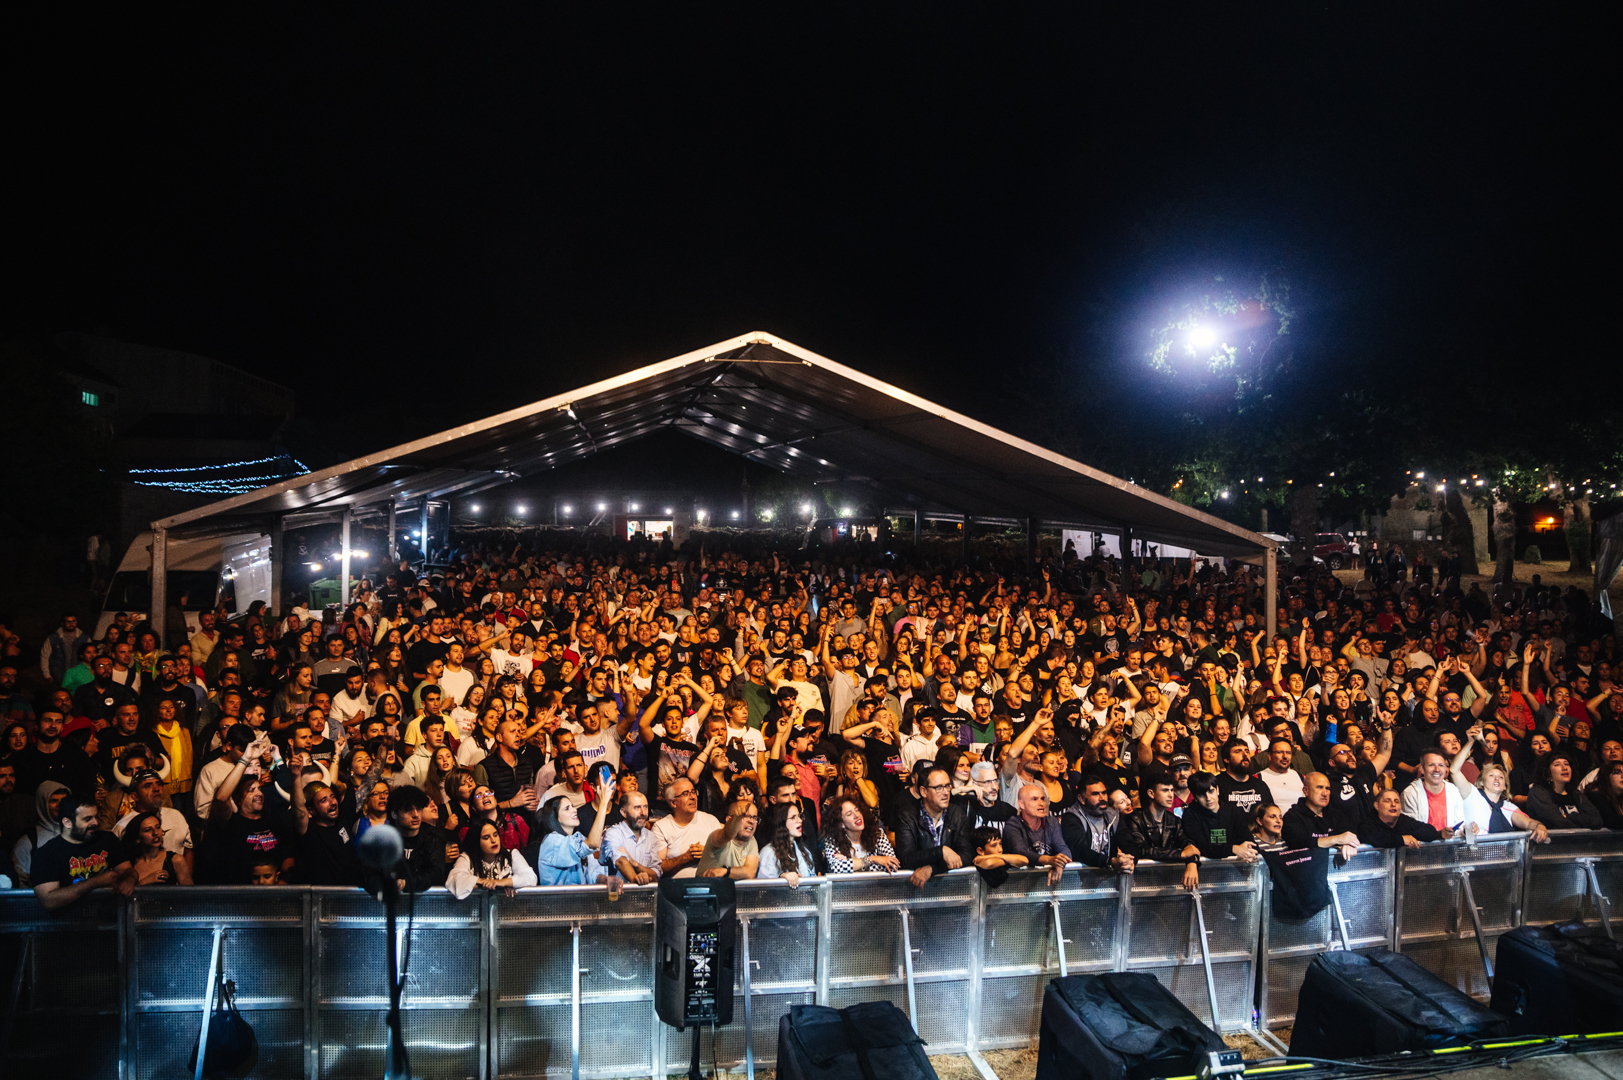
(146, 794)
(1182, 768)
(1554, 800)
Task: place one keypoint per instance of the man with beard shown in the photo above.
(1238, 787)
(1090, 828)
(986, 808)
(326, 856)
(240, 833)
(81, 859)
(166, 687)
(51, 758)
(631, 847)
(1352, 782)
(101, 697)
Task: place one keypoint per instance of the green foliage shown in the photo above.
(1533, 555)
(1578, 539)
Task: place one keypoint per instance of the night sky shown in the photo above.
(446, 212)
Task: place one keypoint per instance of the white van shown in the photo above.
(235, 570)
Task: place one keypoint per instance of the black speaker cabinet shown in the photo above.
(697, 926)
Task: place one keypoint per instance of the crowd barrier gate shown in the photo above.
(558, 982)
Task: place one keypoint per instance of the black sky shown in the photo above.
(454, 209)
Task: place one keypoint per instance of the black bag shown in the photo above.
(1565, 979)
(1300, 879)
(1354, 1005)
(231, 1046)
(872, 1040)
(1119, 1026)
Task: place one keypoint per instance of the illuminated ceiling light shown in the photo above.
(519, 510)
(568, 510)
(633, 506)
(668, 510)
(735, 515)
(601, 508)
(475, 508)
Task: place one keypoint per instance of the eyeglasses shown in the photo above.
(938, 787)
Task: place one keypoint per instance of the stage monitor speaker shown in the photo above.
(1124, 1026)
(696, 926)
(1356, 1005)
(1565, 979)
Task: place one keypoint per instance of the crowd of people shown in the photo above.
(612, 713)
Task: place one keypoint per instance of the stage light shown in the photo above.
(475, 508)
(845, 511)
(699, 514)
(1202, 338)
(1223, 495)
(668, 510)
(805, 508)
(568, 510)
(735, 515)
(766, 515)
(601, 507)
(519, 510)
(633, 507)
(315, 566)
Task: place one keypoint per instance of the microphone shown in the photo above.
(380, 848)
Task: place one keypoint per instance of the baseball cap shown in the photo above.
(143, 776)
(1181, 759)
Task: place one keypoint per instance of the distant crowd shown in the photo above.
(613, 714)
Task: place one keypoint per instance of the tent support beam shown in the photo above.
(1270, 588)
(343, 559)
(394, 550)
(278, 539)
(160, 586)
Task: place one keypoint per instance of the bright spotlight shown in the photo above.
(315, 566)
(668, 510)
(633, 506)
(699, 514)
(766, 515)
(735, 515)
(358, 554)
(568, 510)
(805, 508)
(1202, 338)
(475, 508)
(519, 510)
(1222, 494)
(845, 511)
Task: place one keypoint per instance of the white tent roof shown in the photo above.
(772, 402)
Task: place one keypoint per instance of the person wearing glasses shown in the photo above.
(936, 837)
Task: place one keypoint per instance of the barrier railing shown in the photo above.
(554, 982)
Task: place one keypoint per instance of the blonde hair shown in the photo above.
(1492, 766)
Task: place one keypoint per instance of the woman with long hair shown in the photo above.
(1532, 761)
(514, 829)
(441, 764)
(466, 712)
(459, 788)
(489, 865)
(786, 855)
(1607, 795)
(1554, 800)
(152, 863)
(1209, 757)
(565, 857)
(853, 841)
(853, 781)
(13, 741)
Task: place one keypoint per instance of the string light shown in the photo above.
(221, 485)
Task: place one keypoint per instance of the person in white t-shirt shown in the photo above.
(350, 705)
(682, 834)
(603, 729)
(1284, 782)
(455, 680)
(741, 734)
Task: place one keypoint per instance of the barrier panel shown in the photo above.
(559, 982)
(1359, 917)
(1454, 900)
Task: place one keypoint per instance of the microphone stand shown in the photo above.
(395, 1064)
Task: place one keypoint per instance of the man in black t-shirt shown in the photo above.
(82, 859)
(1352, 782)
(1240, 790)
(246, 835)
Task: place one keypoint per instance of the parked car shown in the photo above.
(1334, 549)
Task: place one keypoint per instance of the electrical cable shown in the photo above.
(1439, 1062)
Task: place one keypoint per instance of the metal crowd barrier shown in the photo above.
(558, 982)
